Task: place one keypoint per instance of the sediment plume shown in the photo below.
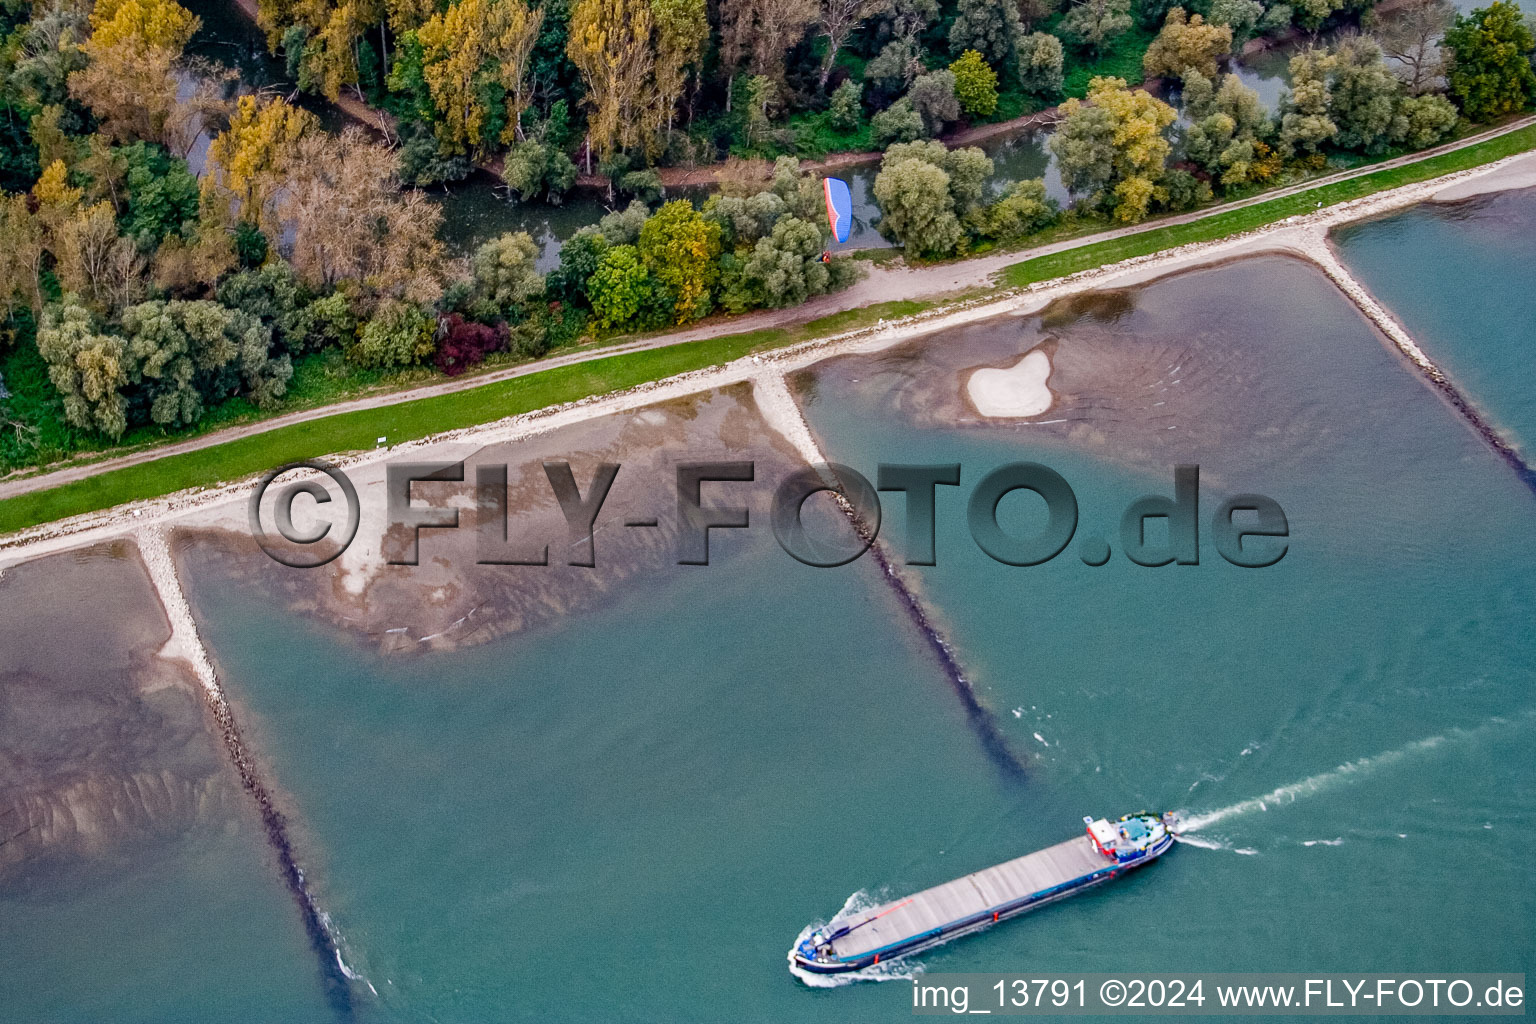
(186, 644)
(782, 412)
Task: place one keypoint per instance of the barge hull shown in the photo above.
(973, 902)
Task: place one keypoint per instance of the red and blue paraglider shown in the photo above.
(839, 211)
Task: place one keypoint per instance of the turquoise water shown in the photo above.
(1395, 630)
(192, 928)
(632, 816)
(1471, 307)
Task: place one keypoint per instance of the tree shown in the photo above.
(916, 208)
(847, 106)
(250, 159)
(93, 261)
(933, 98)
(926, 190)
(681, 30)
(351, 222)
(506, 273)
(610, 44)
(399, 334)
(1021, 212)
(1116, 147)
(538, 171)
(579, 257)
(273, 296)
(1084, 147)
(1186, 43)
(130, 82)
(1305, 124)
(473, 45)
(189, 355)
(465, 344)
(975, 84)
(1094, 23)
(1364, 97)
(756, 34)
(619, 289)
(678, 246)
(1241, 16)
(21, 256)
(1229, 131)
(785, 268)
(1041, 64)
(899, 122)
(837, 19)
(1423, 120)
(1490, 70)
(990, 27)
(1411, 36)
(901, 59)
(87, 367)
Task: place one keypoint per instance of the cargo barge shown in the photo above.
(978, 901)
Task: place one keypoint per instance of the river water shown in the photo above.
(1462, 306)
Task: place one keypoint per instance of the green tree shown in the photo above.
(399, 334)
(679, 246)
(1490, 69)
(536, 171)
(847, 106)
(88, 368)
(836, 20)
(898, 122)
(271, 294)
(975, 84)
(1021, 212)
(579, 257)
(1305, 124)
(928, 193)
(620, 289)
(1114, 146)
(1229, 130)
(1241, 16)
(1364, 97)
(189, 355)
(1093, 24)
(1423, 120)
(1041, 64)
(505, 271)
(785, 268)
(933, 97)
(991, 28)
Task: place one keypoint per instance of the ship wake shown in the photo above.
(1348, 773)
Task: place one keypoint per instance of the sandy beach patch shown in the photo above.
(1015, 392)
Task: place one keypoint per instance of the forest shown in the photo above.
(181, 252)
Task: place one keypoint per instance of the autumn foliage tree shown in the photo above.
(129, 81)
(475, 61)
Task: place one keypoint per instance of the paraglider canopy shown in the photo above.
(839, 207)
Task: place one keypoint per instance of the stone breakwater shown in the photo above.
(1316, 248)
(188, 646)
(782, 412)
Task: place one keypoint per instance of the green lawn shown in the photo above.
(354, 431)
(1219, 225)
